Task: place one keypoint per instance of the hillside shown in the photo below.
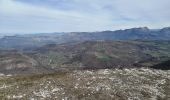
(86, 55)
(103, 54)
(164, 65)
(13, 62)
(91, 55)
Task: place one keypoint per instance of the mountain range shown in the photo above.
(29, 41)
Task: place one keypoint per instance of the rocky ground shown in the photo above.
(104, 84)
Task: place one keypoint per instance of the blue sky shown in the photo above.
(29, 16)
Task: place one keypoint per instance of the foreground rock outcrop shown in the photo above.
(107, 84)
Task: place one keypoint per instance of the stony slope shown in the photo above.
(108, 84)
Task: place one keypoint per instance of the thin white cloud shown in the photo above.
(81, 15)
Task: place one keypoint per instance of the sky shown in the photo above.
(33, 16)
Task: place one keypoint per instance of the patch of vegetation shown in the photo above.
(99, 47)
(102, 57)
(53, 59)
(155, 48)
(56, 58)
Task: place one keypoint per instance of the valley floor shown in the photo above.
(104, 84)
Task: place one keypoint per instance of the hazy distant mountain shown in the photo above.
(38, 40)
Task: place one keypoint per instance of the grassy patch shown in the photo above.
(102, 57)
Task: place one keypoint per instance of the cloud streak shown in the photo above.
(81, 15)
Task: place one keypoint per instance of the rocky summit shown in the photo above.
(104, 84)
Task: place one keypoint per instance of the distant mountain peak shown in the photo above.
(166, 28)
(144, 28)
(137, 30)
(141, 28)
